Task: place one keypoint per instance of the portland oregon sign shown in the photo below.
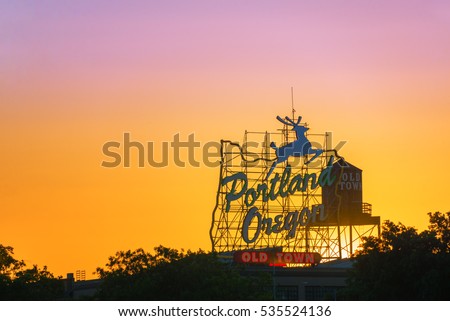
(289, 190)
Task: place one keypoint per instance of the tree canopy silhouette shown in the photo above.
(170, 274)
(20, 283)
(403, 264)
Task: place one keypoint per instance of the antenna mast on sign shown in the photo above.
(292, 99)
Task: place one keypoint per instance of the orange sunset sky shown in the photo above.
(74, 75)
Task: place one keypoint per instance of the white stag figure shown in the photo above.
(300, 147)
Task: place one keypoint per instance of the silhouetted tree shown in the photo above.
(403, 264)
(8, 266)
(19, 283)
(173, 275)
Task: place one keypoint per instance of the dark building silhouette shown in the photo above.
(343, 200)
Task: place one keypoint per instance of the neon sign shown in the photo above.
(278, 187)
(282, 187)
(276, 258)
(289, 194)
(265, 198)
(300, 147)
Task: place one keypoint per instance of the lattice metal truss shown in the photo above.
(254, 157)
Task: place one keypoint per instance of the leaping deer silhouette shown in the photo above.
(300, 147)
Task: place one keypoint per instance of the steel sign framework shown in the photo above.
(329, 238)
